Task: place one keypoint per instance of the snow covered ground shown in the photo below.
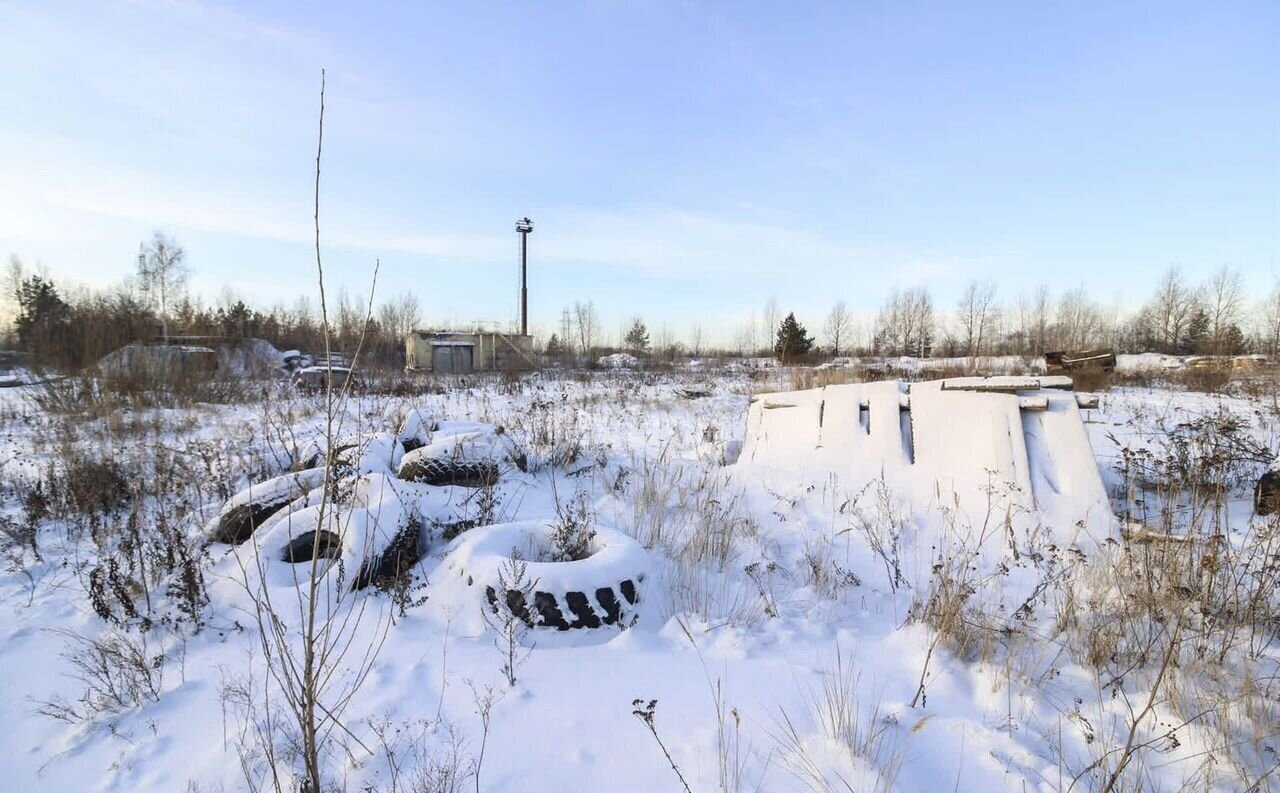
(798, 626)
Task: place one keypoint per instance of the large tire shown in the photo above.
(464, 454)
(434, 471)
(367, 534)
(603, 589)
(1266, 494)
(250, 508)
(384, 569)
(604, 606)
(312, 545)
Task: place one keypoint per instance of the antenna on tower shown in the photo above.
(524, 226)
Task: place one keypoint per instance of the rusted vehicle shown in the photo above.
(1068, 361)
(316, 378)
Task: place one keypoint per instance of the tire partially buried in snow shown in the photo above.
(464, 454)
(435, 471)
(369, 532)
(603, 589)
(250, 508)
(311, 545)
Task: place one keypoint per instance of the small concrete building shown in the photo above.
(459, 352)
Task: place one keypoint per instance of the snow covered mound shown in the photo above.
(1009, 450)
(619, 360)
(1148, 362)
(158, 361)
(16, 376)
(226, 357)
(249, 358)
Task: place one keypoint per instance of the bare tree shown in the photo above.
(397, 319)
(587, 323)
(771, 321)
(748, 339)
(1269, 321)
(566, 331)
(920, 310)
(744, 341)
(1222, 299)
(1170, 310)
(906, 323)
(838, 326)
(301, 320)
(162, 272)
(1041, 307)
(1022, 334)
(859, 330)
(350, 320)
(665, 344)
(309, 644)
(1079, 322)
(975, 315)
(695, 340)
(14, 275)
(400, 315)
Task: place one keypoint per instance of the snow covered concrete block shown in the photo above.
(1015, 444)
(969, 442)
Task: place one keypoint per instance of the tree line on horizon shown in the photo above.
(1179, 318)
(74, 327)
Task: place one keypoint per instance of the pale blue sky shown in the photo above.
(682, 160)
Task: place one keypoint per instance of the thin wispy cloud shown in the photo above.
(665, 151)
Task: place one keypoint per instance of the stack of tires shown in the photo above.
(368, 493)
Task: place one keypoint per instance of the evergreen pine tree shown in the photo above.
(1232, 341)
(793, 341)
(637, 339)
(44, 318)
(1197, 332)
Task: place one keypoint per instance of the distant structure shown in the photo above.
(524, 227)
(478, 350)
(460, 352)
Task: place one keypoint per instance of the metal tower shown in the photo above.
(525, 227)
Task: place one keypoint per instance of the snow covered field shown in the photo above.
(796, 624)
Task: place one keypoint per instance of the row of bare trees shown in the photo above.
(76, 326)
(1211, 318)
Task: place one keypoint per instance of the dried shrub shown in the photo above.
(1208, 380)
(119, 671)
(1093, 378)
(95, 487)
(573, 531)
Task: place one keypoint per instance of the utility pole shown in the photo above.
(524, 226)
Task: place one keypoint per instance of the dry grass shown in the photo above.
(805, 378)
(866, 740)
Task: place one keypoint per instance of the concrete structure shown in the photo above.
(459, 352)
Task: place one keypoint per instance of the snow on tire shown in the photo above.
(370, 531)
(605, 588)
(251, 507)
(465, 454)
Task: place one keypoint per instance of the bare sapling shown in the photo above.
(319, 648)
(511, 615)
